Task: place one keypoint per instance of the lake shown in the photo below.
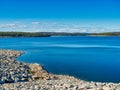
(88, 58)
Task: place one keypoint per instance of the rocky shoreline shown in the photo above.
(15, 75)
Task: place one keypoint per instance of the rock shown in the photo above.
(12, 70)
(15, 75)
(38, 72)
(105, 88)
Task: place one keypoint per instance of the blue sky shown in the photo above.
(60, 15)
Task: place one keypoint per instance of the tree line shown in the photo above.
(48, 34)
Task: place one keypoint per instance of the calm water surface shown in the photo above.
(88, 58)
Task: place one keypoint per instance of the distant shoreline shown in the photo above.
(49, 34)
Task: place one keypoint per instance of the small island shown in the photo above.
(16, 75)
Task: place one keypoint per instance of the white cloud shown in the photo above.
(51, 26)
(35, 23)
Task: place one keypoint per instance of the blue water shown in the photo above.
(87, 58)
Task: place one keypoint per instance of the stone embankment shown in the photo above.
(15, 75)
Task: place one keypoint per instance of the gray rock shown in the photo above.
(15, 75)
